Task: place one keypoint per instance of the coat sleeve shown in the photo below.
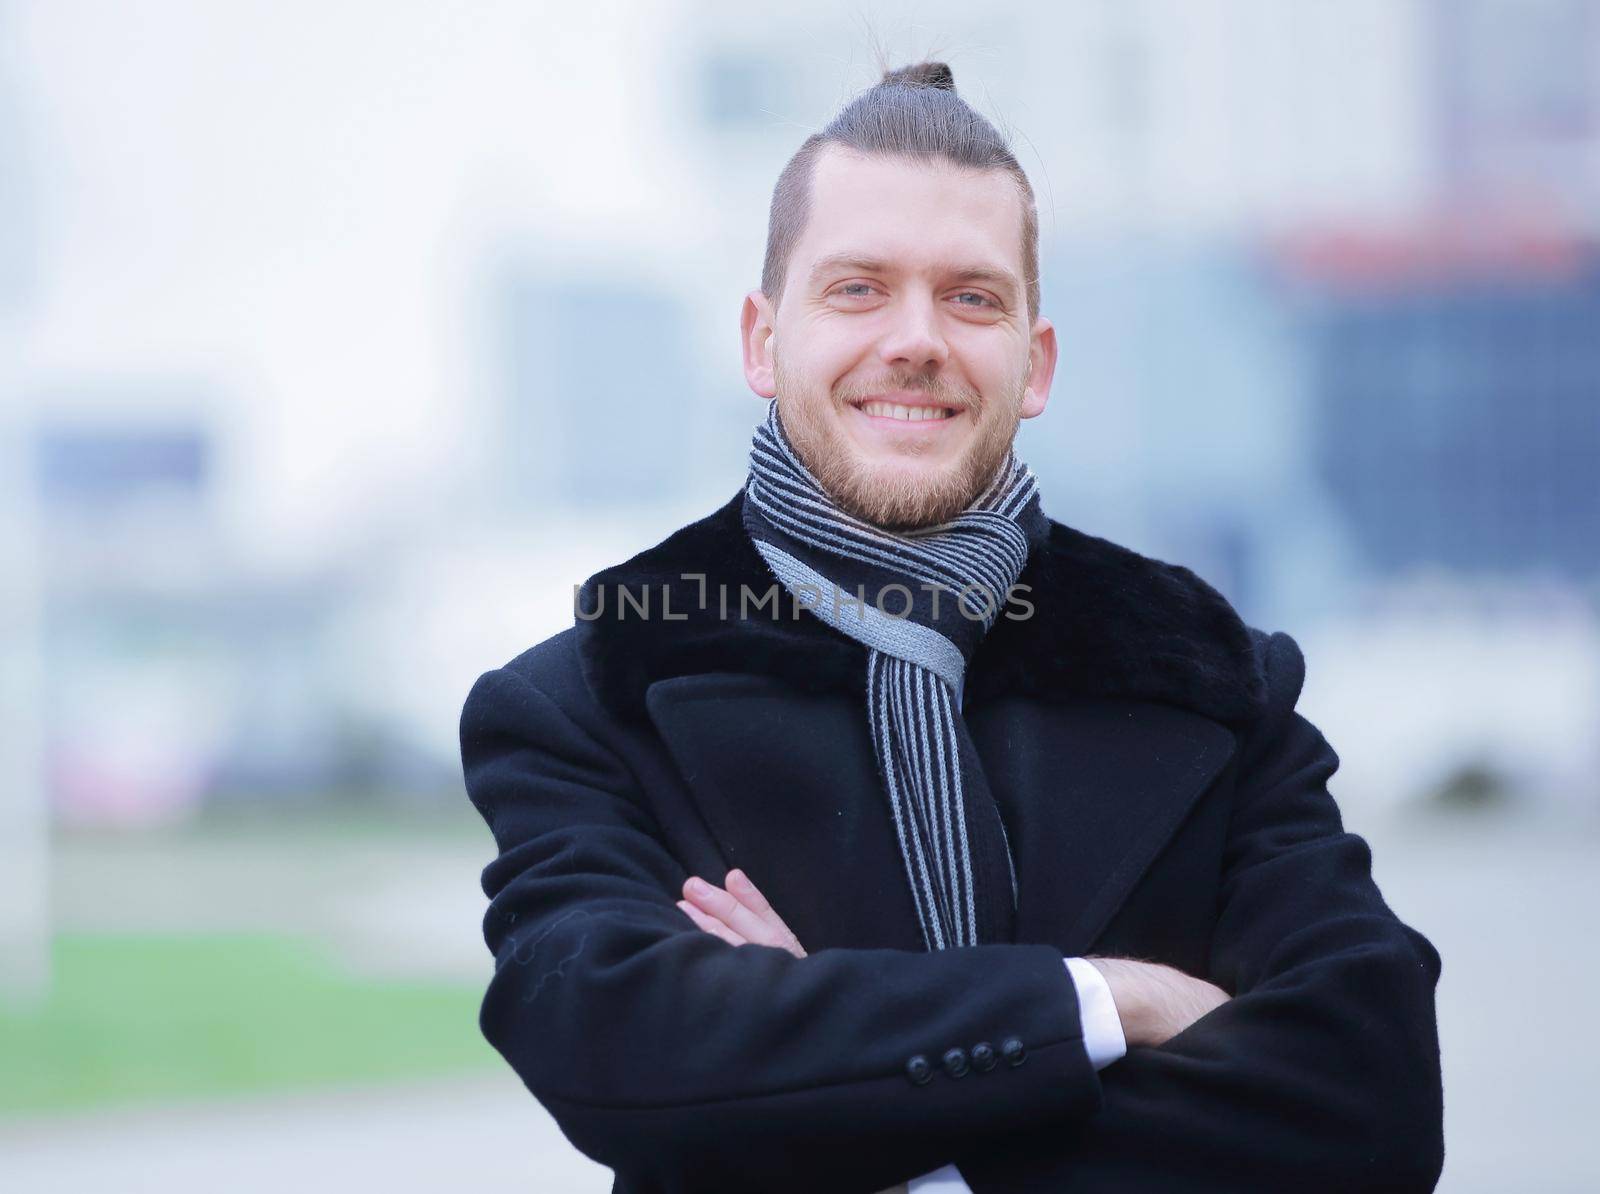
(1322, 1072)
(683, 1062)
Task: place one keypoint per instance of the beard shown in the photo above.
(903, 493)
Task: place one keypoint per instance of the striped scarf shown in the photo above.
(920, 601)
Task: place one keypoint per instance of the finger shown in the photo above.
(742, 888)
(710, 924)
(714, 901)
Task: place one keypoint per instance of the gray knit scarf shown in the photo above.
(920, 601)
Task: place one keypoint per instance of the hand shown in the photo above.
(740, 915)
(1156, 1002)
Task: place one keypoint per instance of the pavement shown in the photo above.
(480, 1134)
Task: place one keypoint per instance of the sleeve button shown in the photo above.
(983, 1057)
(955, 1062)
(1011, 1049)
(918, 1070)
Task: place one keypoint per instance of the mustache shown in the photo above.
(945, 392)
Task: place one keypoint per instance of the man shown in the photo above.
(879, 829)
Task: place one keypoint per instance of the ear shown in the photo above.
(757, 325)
(1041, 367)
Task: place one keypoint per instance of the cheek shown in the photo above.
(1001, 379)
(807, 361)
(833, 351)
(995, 365)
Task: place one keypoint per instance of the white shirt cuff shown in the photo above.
(941, 1181)
(1102, 1026)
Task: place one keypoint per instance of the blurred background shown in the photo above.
(339, 340)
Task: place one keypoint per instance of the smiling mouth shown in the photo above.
(902, 413)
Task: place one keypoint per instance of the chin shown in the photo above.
(900, 495)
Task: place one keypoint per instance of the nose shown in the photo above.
(913, 339)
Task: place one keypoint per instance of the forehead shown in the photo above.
(910, 212)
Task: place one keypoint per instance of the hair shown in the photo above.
(914, 113)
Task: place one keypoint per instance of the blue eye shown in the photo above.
(983, 300)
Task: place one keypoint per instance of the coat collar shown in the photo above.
(1107, 622)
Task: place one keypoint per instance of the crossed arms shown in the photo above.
(1123, 1001)
(684, 1064)
(1153, 1002)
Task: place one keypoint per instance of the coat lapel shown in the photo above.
(1090, 790)
(787, 784)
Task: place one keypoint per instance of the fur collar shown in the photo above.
(1107, 622)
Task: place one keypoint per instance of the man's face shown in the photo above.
(900, 351)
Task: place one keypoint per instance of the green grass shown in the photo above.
(146, 1017)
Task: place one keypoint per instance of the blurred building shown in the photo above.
(1455, 389)
(175, 671)
(130, 549)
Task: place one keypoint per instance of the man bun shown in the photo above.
(922, 74)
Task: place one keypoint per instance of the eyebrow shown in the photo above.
(1002, 279)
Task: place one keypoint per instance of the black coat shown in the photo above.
(1163, 800)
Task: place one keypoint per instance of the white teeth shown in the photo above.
(910, 414)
